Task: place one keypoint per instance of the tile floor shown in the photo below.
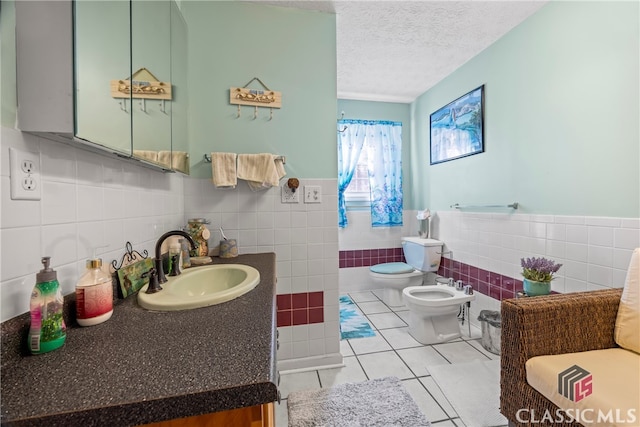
(392, 352)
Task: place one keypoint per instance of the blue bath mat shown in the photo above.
(352, 323)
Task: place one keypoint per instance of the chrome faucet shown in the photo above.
(157, 277)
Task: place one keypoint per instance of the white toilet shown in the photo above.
(433, 312)
(423, 256)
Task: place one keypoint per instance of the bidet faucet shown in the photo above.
(159, 277)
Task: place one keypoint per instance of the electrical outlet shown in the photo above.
(25, 175)
(312, 194)
(289, 196)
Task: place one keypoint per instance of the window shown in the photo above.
(359, 190)
(370, 170)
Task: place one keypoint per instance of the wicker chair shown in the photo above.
(553, 324)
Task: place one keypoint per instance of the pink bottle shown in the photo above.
(94, 295)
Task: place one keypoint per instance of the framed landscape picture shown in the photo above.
(457, 128)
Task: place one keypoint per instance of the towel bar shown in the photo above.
(513, 205)
(207, 158)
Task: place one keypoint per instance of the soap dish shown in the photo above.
(200, 260)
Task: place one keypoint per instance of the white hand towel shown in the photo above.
(164, 158)
(261, 171)
(223, 170)
(180, 161)
(151, 156)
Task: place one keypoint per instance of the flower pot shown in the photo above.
(533, 288)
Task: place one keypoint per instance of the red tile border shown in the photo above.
(486, 282)
(316, 299)
(283, 302)
(301, 308)
(369, 257)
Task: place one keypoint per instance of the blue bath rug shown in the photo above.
(352, 323)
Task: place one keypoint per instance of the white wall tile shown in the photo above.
(266, 237)
(576, 252)
(630, 223)
(626, 238)
(91, 203)
(83, 206)
(17, 213)
(601, 236)
(599, 275)
(577, 220)
(603, 221)
(113, 203)
(89, 168)
(15, 295)
(577, 233)
(600, 255)
(58, 162)
(59, 202)
(21, 252)
(556, 232)
(60, 242)
(621, 258)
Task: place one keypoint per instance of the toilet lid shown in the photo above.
(392, 268)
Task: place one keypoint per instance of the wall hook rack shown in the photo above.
(345, 126)
(263, 98)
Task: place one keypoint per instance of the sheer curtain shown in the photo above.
(384, 145)
(383, 142)
(351, 135)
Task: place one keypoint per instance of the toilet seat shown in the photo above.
(435, 296)
(392, 268)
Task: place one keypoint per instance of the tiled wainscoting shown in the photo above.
(304, 237)
(489, 283)
(594, 251)
(486, 249)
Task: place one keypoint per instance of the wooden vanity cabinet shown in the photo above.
(252, 416)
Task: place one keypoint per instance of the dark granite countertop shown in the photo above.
(142, 366)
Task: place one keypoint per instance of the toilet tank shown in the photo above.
(422, 254)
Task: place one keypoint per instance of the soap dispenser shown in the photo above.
(47, 331)
(94, 295)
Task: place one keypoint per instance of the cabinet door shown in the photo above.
(102, 54)
(180, 102)
(151, 50)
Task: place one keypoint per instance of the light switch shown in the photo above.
(312, 194)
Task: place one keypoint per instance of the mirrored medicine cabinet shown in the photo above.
(107, 75)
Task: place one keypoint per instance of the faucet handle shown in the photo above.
(154, 286)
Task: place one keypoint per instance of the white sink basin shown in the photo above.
(201, 287)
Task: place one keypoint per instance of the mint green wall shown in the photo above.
(368, 110)
(291, 51)
(561, 117)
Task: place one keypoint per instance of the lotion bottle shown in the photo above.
(94, 295)
(47, 331)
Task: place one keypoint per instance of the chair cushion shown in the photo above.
(613, 385)
(392, 268)
(627, 329)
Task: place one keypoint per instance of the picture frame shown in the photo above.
(132, 277)
(457, 129)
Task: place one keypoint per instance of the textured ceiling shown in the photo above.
(396, 50)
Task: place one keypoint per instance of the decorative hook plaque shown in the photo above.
(142, 84)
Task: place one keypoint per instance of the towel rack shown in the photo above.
(207, 158)
(513, 205)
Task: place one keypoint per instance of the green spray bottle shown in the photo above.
(47, 331)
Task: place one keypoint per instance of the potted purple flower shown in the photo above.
(538, 274)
